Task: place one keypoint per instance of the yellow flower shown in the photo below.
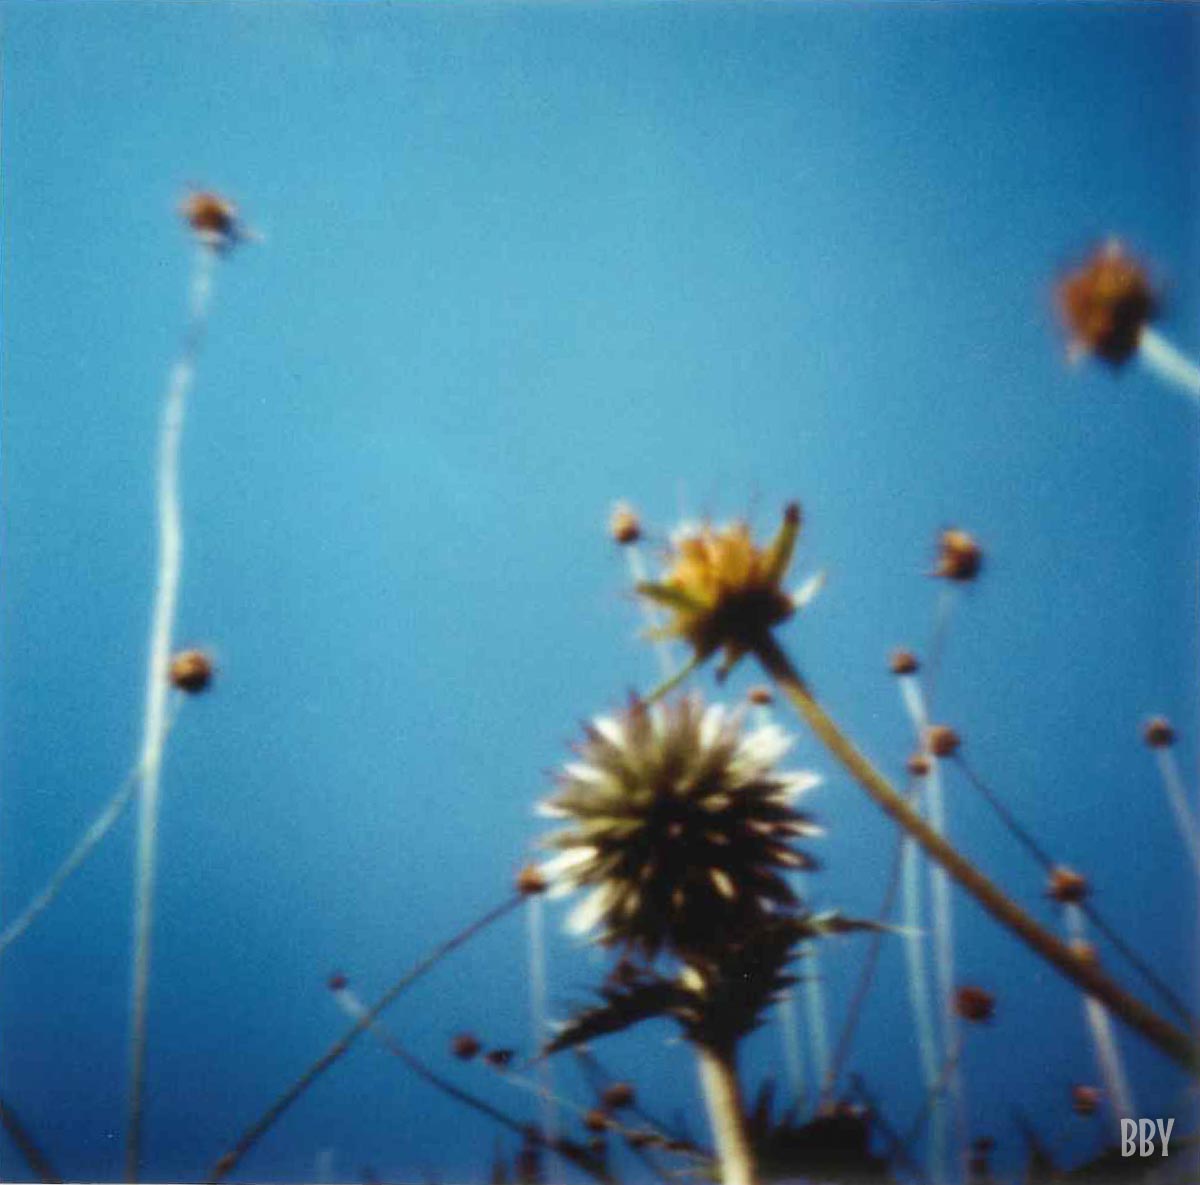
(722, 590)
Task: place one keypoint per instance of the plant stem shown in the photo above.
(1171, 1041)
(722, 1097)
(341, 1046)
(154, 734)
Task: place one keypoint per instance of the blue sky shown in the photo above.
(521, 261)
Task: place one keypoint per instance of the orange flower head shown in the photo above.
(530, 881)
(919, 765)
(959, 557)
(1067, 886)
(465, 1046)
(1158, 733)
(1085, 1100)
(624, 525)
(903, 662)
(213, 218)
(722, 590)
(191, 671)
(616, 1096)
(941, 740)
(760, 696)
(974, 1004)
(1105, 303)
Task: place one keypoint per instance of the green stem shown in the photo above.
(722, 1097)
(671, 682)
(1176, 1044)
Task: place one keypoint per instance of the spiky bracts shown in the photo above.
(681, 825)
(715, 1000)
(722, 590)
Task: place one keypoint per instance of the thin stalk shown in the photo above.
(1039, 854)
(920, 1002)
(537, 1011)
(34, 1157)
(88, 842)
(866, 977)
(672, 681)
(1171, 1041)
(154, 734)
(1185, 820)
(1104, 1042)
(793, 1055)
(818, 1029)
(638, 575)
(941, 629)
(340, 1047)
(722, 1098)
(1168, 362)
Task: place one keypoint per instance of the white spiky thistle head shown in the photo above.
(681, 826)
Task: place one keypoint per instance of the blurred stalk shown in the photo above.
(1172, 1042)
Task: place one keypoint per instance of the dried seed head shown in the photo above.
(903, 662)
(624, 526)
(722, 590)
(213, 218)
(530, 881)
(761, 696)
(640, 1138)
(338, 982)
(974, 1004)
(1066, 886)
(679, 824)
(959, 557)
(1085, 951)
(919, 765)
(190, 671)
(465, 1046)
(1085, 1100)
(941, 740)
(616, 1096)
(1158, 733)
(1105, 304)
(499, 1059)
(596, 1120)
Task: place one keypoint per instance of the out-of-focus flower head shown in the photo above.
(190, 671)
(681, 826)
(1105, 303)
(959, 556)
(214, 219)
(723, 591)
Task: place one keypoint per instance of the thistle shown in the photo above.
(681, 826)
(723, 591)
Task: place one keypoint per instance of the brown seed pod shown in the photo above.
(624, 526)
(465, 1046)
(1158, 733)
(974, 1004)
(919, 765)
(616, 1096)
(640, 1139)
(596, 1120)
(499, 1059)
(1105, 304)
(1066, 886)
(941, 740)
(530, 881)
(761, 696)
(1085, 1100)
(190, 671)
(338, 982)
(213, 217)
(903, 662)
(1085, 951)
(959, 557)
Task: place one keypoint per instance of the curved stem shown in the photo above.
(339, 1048)
(1173, 1042)
(722, 1097)
(154, 734)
